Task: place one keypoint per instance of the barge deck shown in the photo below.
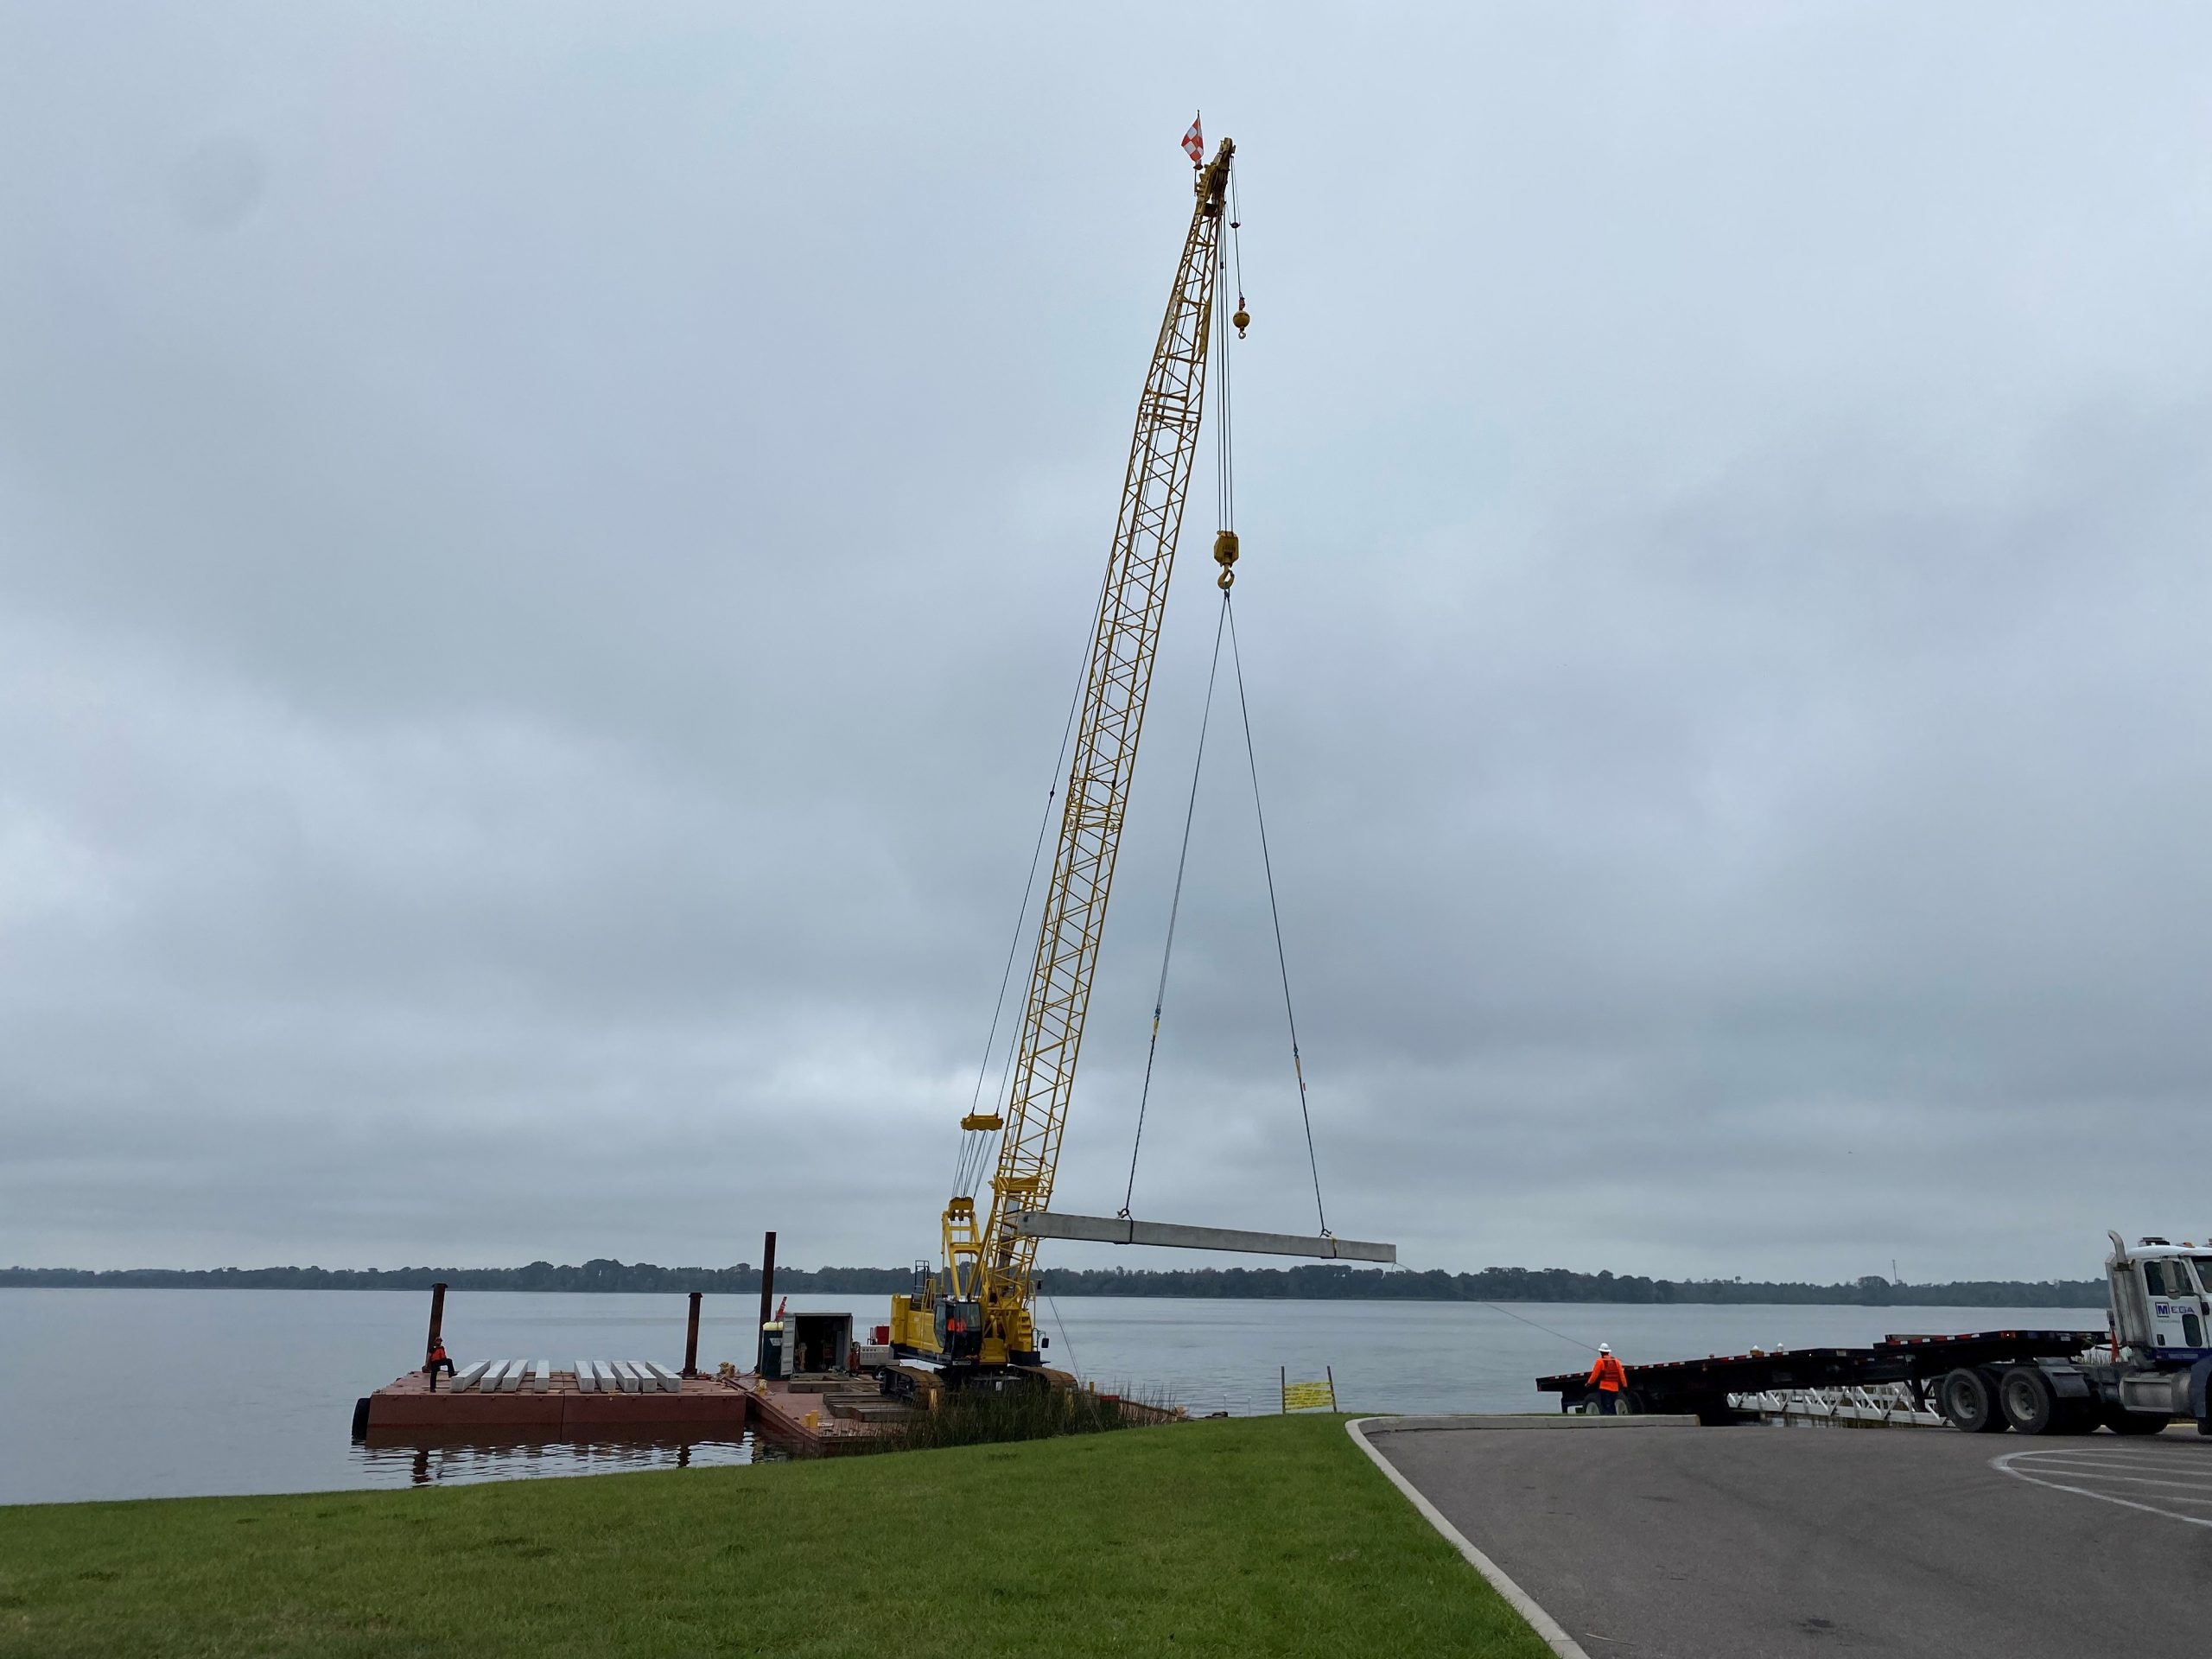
(813, 1416)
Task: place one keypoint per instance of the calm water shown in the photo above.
(110, 1394)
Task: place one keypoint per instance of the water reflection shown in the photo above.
(424, 1458)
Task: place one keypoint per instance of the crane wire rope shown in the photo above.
(1237, 237)
(1066, 1341)
(1174, 908)
(1227, 487)
(1498, 1307)
(1225, 516)
(1225, 504)
(1274, 912)
(970, 1167)
(1225, 424)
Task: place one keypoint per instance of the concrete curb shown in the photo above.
(1499, 1420)
(1543, 1623)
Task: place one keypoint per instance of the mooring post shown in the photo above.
(691, 1339)
(767, 1299)
(438, 1320)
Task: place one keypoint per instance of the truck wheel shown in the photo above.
(1969, 1403)
(2029, 1403)
(2121, 1421)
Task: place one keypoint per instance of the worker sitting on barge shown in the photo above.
(1609, 1379)
(437, 1358)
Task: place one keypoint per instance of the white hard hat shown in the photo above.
(1604, 1347)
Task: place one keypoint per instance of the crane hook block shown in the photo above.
(1242, 320)
(1224, 554)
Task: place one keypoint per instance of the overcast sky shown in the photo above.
(544, 550)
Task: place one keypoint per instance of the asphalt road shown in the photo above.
(1769, 1543)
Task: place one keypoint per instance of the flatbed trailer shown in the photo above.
(1702, 1387)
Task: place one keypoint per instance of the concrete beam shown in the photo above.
(1114, 1230)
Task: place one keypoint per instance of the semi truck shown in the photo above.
(2152, 1367)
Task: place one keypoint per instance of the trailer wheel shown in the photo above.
(1969, 1403)
(2029, 1403)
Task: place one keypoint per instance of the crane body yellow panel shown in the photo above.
(978, 1310)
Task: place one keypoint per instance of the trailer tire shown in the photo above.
(1967, 1400)
(2030, 1404)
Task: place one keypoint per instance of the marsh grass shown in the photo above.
(990, 1417)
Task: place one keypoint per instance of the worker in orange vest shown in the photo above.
(435, 1359)
(1608, 1378)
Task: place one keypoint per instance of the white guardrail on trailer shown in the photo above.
(1875, 1404)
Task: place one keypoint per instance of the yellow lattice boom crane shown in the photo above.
(977, 1313)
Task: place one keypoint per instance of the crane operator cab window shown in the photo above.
(959, 1328)
(2176, 1308)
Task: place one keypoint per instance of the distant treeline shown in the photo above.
(538, 1276)
(1327, 1280)
(1317, 1282)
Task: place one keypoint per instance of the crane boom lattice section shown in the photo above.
(1123, 646)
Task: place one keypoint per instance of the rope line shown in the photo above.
(1175, 907)
(1236, 233)
(1275, 912)
(1065, 1342)
(1499, 1307)
(1223, 444)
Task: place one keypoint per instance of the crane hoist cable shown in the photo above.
(1226, 626)
(1226, 550)
(1175, 907)
(1275, 912)
(975, 1145)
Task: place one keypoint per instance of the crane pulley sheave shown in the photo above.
(980, 1310)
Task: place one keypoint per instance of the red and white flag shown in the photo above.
(1194, 144)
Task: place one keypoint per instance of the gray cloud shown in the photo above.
(541, 560)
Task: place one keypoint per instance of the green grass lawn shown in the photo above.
(1272, 1536)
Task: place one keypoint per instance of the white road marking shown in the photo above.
(2060, 1469)
(2124, 1459)
(2122, 1471)
(1546, 1627)
(2135, 1480)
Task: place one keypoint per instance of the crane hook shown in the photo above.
(1224, 554)
(1242, 319)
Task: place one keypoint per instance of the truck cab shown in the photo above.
(2161, 1300)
